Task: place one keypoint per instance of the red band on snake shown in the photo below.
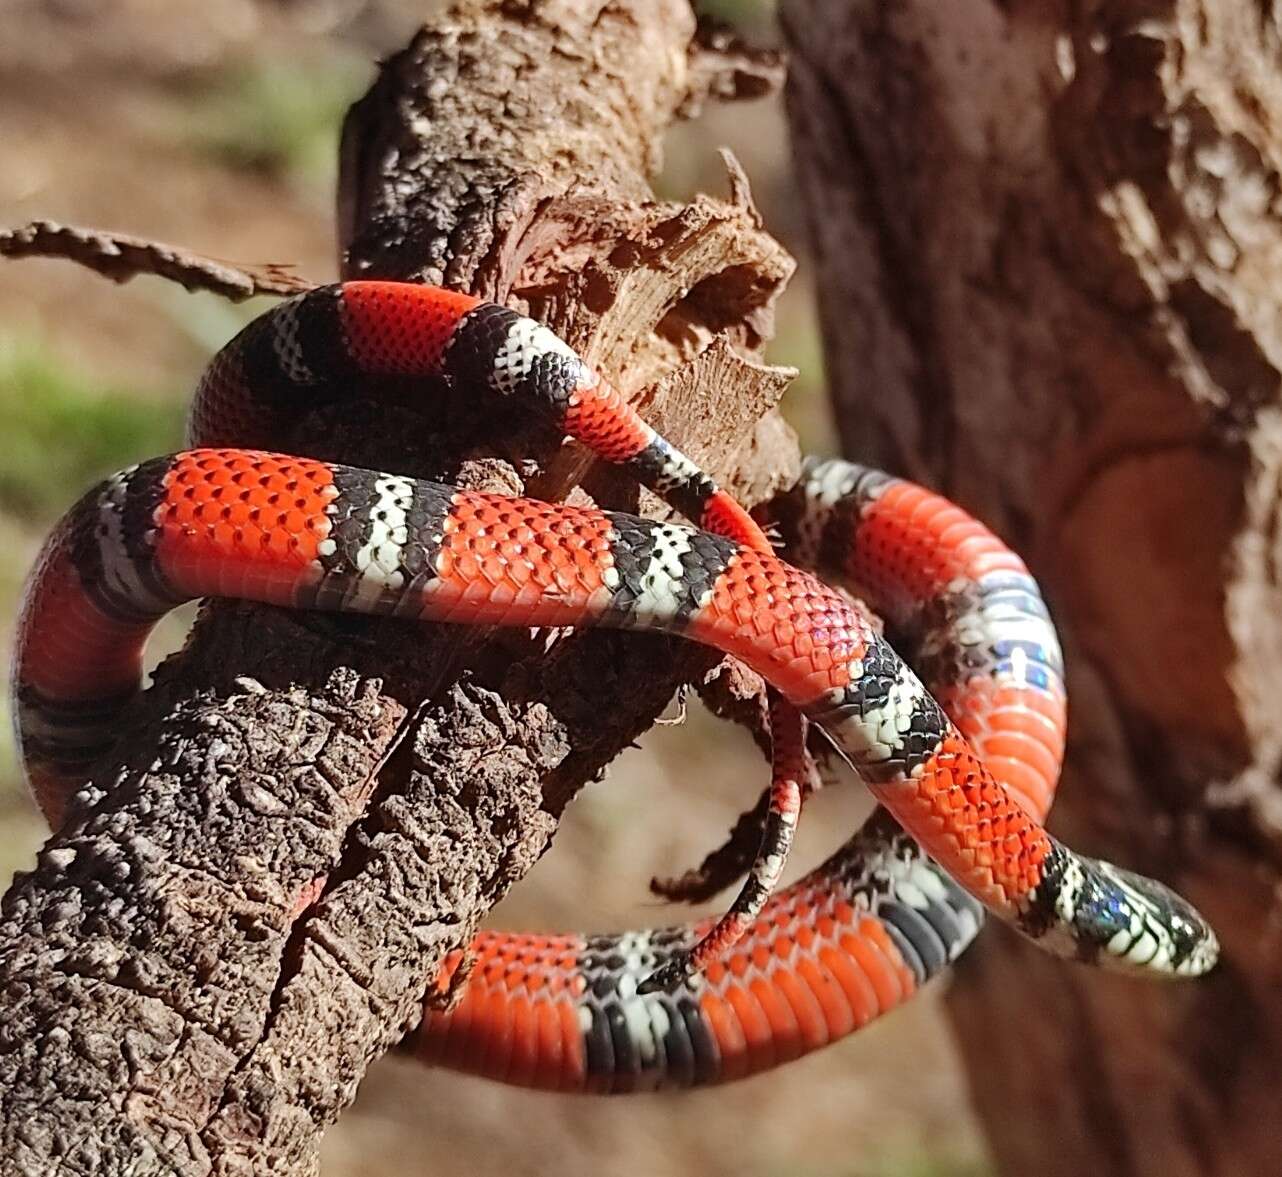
(850, 941)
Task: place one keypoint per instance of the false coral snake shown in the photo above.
(849, 941)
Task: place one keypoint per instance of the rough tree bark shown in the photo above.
(307, 814)
(1049, 261)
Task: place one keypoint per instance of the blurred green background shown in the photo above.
(215, 126)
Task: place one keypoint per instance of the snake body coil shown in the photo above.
(813, 963)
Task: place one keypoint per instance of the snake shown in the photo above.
(963, 776)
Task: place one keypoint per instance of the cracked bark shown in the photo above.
(1049, 261)
(305, 814)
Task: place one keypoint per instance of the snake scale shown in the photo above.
(964, 771)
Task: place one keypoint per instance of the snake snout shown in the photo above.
(1131, 923)
(1089, 910)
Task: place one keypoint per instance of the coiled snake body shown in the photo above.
(967, 773)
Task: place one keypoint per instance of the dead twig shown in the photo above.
(120, 257)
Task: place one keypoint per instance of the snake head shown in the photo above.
(1096, 912)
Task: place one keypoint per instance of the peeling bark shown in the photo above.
(1049, 260)
(305, 814)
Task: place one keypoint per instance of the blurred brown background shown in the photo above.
(214, 125)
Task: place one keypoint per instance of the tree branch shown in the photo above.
(306, 814)
(120, 257)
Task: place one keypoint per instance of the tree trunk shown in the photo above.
(1049, 263)
(247, 906)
